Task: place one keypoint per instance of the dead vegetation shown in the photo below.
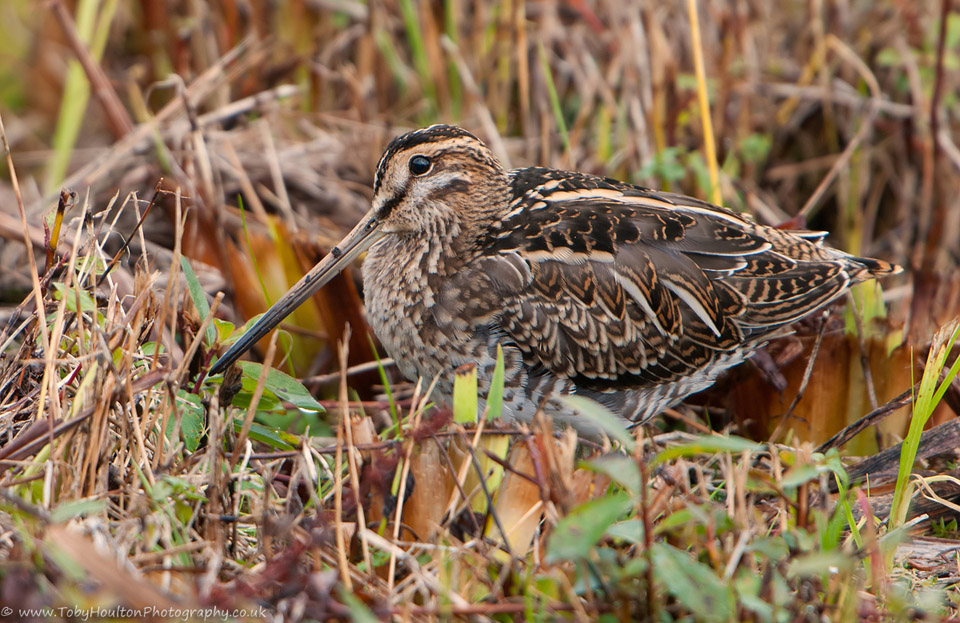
(223, 147)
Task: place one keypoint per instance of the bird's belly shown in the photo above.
(409, 334)
(405, 320)
(400, 338)
(421, 349)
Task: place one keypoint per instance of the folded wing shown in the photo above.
(618, 287)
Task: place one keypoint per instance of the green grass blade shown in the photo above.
(554, 98)
(386, 388)
(495, 395)
(76, 88)
(465, 396)
(451, 12)
(951, 374)
(709, 444)
(411, 22)
(601, 417)
(576, 534)
(925, 402)
(198, 298)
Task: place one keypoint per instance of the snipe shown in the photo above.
(633, 297)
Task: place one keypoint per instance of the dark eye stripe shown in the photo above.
(391, 203)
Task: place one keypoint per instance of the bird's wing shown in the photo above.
(615, 286)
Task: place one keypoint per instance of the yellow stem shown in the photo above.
(708, 144)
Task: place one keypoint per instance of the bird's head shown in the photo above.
(434, 175)
(426, 180)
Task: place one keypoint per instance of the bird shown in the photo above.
(632, 297)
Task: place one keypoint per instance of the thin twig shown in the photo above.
(402, 491)
(869, 419)
(338, 512)
(352, 466)
(37, 290)
(386, 362)
(137, 228)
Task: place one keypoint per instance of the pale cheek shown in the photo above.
(418, 194)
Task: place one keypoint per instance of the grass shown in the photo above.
(928, 397)
(128, 479)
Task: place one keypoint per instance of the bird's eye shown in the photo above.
(419, 165)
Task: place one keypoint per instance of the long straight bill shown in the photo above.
(341, 256)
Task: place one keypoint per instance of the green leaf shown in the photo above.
(76, 508)
(666, 165)
(630, 530)
(818, 564)
(748, 587)
(577, 533)
(888, 57)
(620, 468)
(149, 348)
(490, 470)
(273, 438)
(708, 444)
(465, 395)
(318, 426)
(224, 329)
(755, 147)
(773, 547)
(236, 335)
(268, 402)
(192, 420)
(279, 420)
(359, 613)
(800, 474)
(87, 304)
(693, 584)
(284, 386)
(93, 264)
(495, 395)
(680, 518)
(697, 518)
(198, 297)
(602, 418)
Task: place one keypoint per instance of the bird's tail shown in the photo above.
(863, 268)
